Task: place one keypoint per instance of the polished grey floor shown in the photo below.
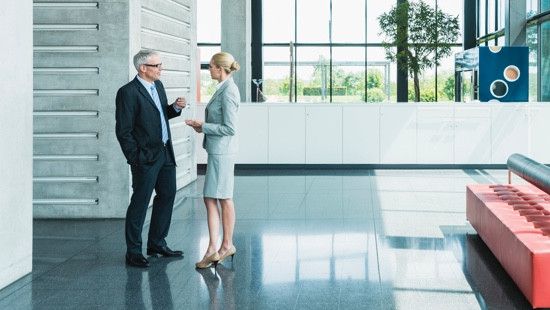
(306, 239)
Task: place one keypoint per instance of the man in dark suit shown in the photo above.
(143, 131)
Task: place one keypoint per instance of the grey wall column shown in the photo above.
(236, 39)
(515, 31)
(16, 140)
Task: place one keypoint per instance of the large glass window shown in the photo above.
(532, 7)
(445, 77)
(209, 21)
(491, 22)
(338, 55)
(208, 85)
(276, 73)
(501, 14)
(313, 74)
(281, 14)
(481, 18)
(538, 40)
(374, 10)
(491, 16)
(379, 68)
(348, 76)
(208, 42)
(312, 21)
(348, 25)
(454, 8)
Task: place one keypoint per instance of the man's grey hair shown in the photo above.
(142, 56)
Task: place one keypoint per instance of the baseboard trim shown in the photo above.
(363, 166)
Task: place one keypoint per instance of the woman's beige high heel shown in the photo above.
(230, 252)
(208, 261)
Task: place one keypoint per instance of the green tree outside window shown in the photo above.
(425, 42)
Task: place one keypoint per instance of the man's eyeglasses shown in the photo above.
(156, 65)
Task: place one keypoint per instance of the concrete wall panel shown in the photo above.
(80, 60)
(82, 54)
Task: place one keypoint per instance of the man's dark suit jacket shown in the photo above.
(138, 127)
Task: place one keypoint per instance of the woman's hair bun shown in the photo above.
(235, 66)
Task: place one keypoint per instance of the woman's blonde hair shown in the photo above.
(226, 62)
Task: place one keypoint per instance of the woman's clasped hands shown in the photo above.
(196, 124)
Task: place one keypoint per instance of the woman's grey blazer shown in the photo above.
(220, 120)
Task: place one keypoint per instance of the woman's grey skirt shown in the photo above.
(220, 176)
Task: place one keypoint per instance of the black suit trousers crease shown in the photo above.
(159, 175)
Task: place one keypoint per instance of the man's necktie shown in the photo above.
(156, 99)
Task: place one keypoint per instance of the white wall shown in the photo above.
(16, 102)
(442, 133)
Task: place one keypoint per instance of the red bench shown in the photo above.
(514, 222)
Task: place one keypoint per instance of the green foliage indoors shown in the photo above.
(418, 31)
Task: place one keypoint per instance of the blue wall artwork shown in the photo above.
(502, 72)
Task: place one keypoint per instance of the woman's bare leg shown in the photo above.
(213, 215)
(228, 222)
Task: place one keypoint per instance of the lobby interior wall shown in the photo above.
(82, 54)
(16, 136)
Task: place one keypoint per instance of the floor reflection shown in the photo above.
(494, 288)
(212, 283)
(134, 293)
(160, 286)
(306, 239)
(212, 278)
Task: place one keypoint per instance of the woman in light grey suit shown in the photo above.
(219, 129)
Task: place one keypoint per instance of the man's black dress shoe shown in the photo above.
(137, 260)
(164, 251)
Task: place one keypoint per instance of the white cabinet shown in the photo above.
(435, 134)
(253, 135)
(509, 131)
(398, 134)
(361, 134)
(324, 134)
(357, 133)
(287, 133)
(538, 132)
(472, 135)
